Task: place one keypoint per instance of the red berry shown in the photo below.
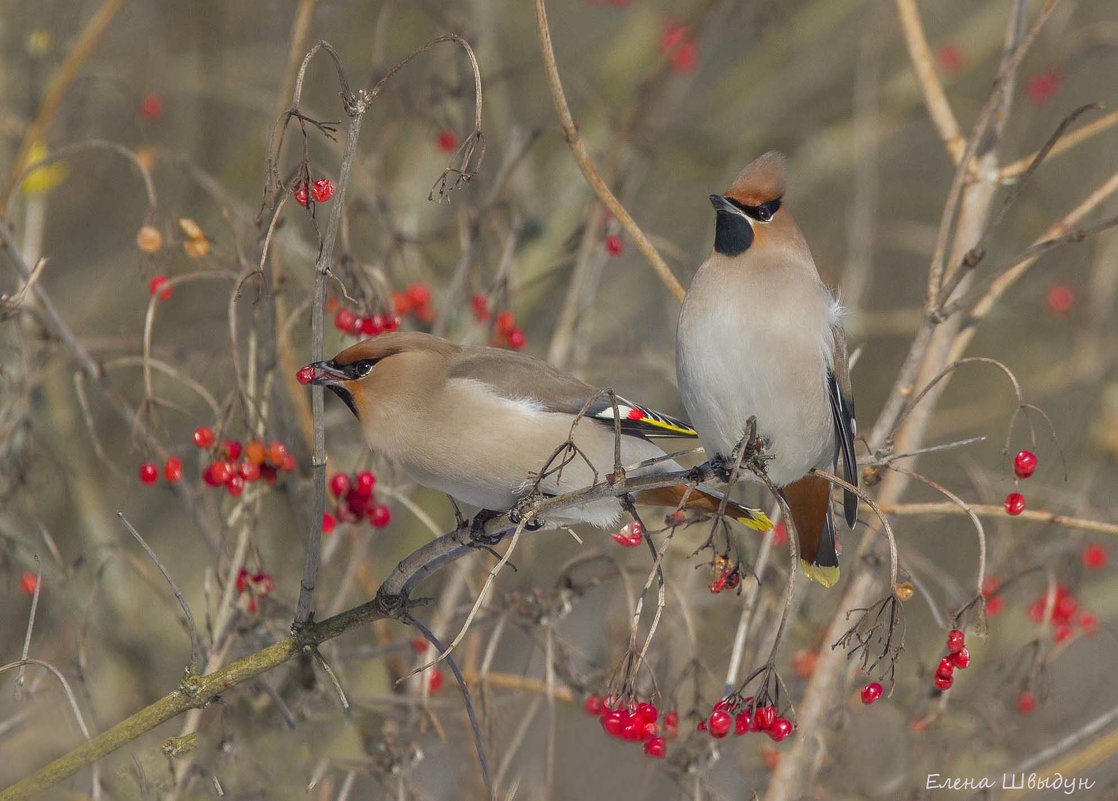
(624, 539)
(380, 516)
(242, 580)
(1060, 298)
(263, 583)
(371, 326)
(172, 470)
(1026, 702)
(516, 339)
(671, 722)
(289, 463)
(249, 471)
(505, 323)
(950, 58)
(344, 320)
(328, 523)
(676, 42)
(955, 640)
(592, 704)
(420, 293)
(365, 483)
(944, 682)
(159, 284)
(28, 582)
(1024, 464)
(871, 692)
(614, 245)
(780, 729)
(149, 473)
(301, 194)
(994, 605)
(339, 484)
(1088, 622)
(1014, 503)
(741, 723)
(612, 722)
(221, 471)
(305, 375)
(763, 717)
(322, 190)
(419, 645)
(648, 712)
(1094, 557)
(232, 449)
(435, 682)
(719, 723)
(235, 485)
(447, 141)
(391, 323)
(203, 436)
(946, 667)
(656, 747)
(1061, 632)
(276, 453)
(961, 658)
(151, 106)
(480, 306)
(1042, 87)
(718, 584)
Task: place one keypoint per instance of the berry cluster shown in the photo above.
(1066, 615)
(507, 331)
(350, 322)
(321, 190)
(630, 535)
(1024, 465)
(760, 718)
(677, 42)
(726, 577)
(251, 586)
(416, 301)
(159, 285)
(356, 501)
(957, 657)
(635, 722)
(228, 469)
(435, 676)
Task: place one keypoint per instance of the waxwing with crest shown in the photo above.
(484, 424)
(761, 336)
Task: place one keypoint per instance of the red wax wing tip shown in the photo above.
(306, 374)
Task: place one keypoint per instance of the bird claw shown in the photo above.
(522, 509)
(478, 535)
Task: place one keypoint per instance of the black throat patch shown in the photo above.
(345, 395)
(732, 233)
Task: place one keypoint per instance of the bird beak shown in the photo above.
(721, 204)
(325, 373)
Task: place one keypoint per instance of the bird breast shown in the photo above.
(754, 346)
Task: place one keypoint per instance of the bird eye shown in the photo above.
(765, 211)
(362, 368)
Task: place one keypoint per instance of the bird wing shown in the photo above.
(842, 409)
(517, 376)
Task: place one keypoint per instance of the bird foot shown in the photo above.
(478, 535)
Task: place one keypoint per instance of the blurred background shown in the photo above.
(672, 99)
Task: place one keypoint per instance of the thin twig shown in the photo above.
(195, 643)
(582, 157)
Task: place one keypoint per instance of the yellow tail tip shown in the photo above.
(827, 576)
(756, 520)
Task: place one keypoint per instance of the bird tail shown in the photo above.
(706, 500)
(809, 500)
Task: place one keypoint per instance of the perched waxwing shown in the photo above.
(761, 336)
(482, 424)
